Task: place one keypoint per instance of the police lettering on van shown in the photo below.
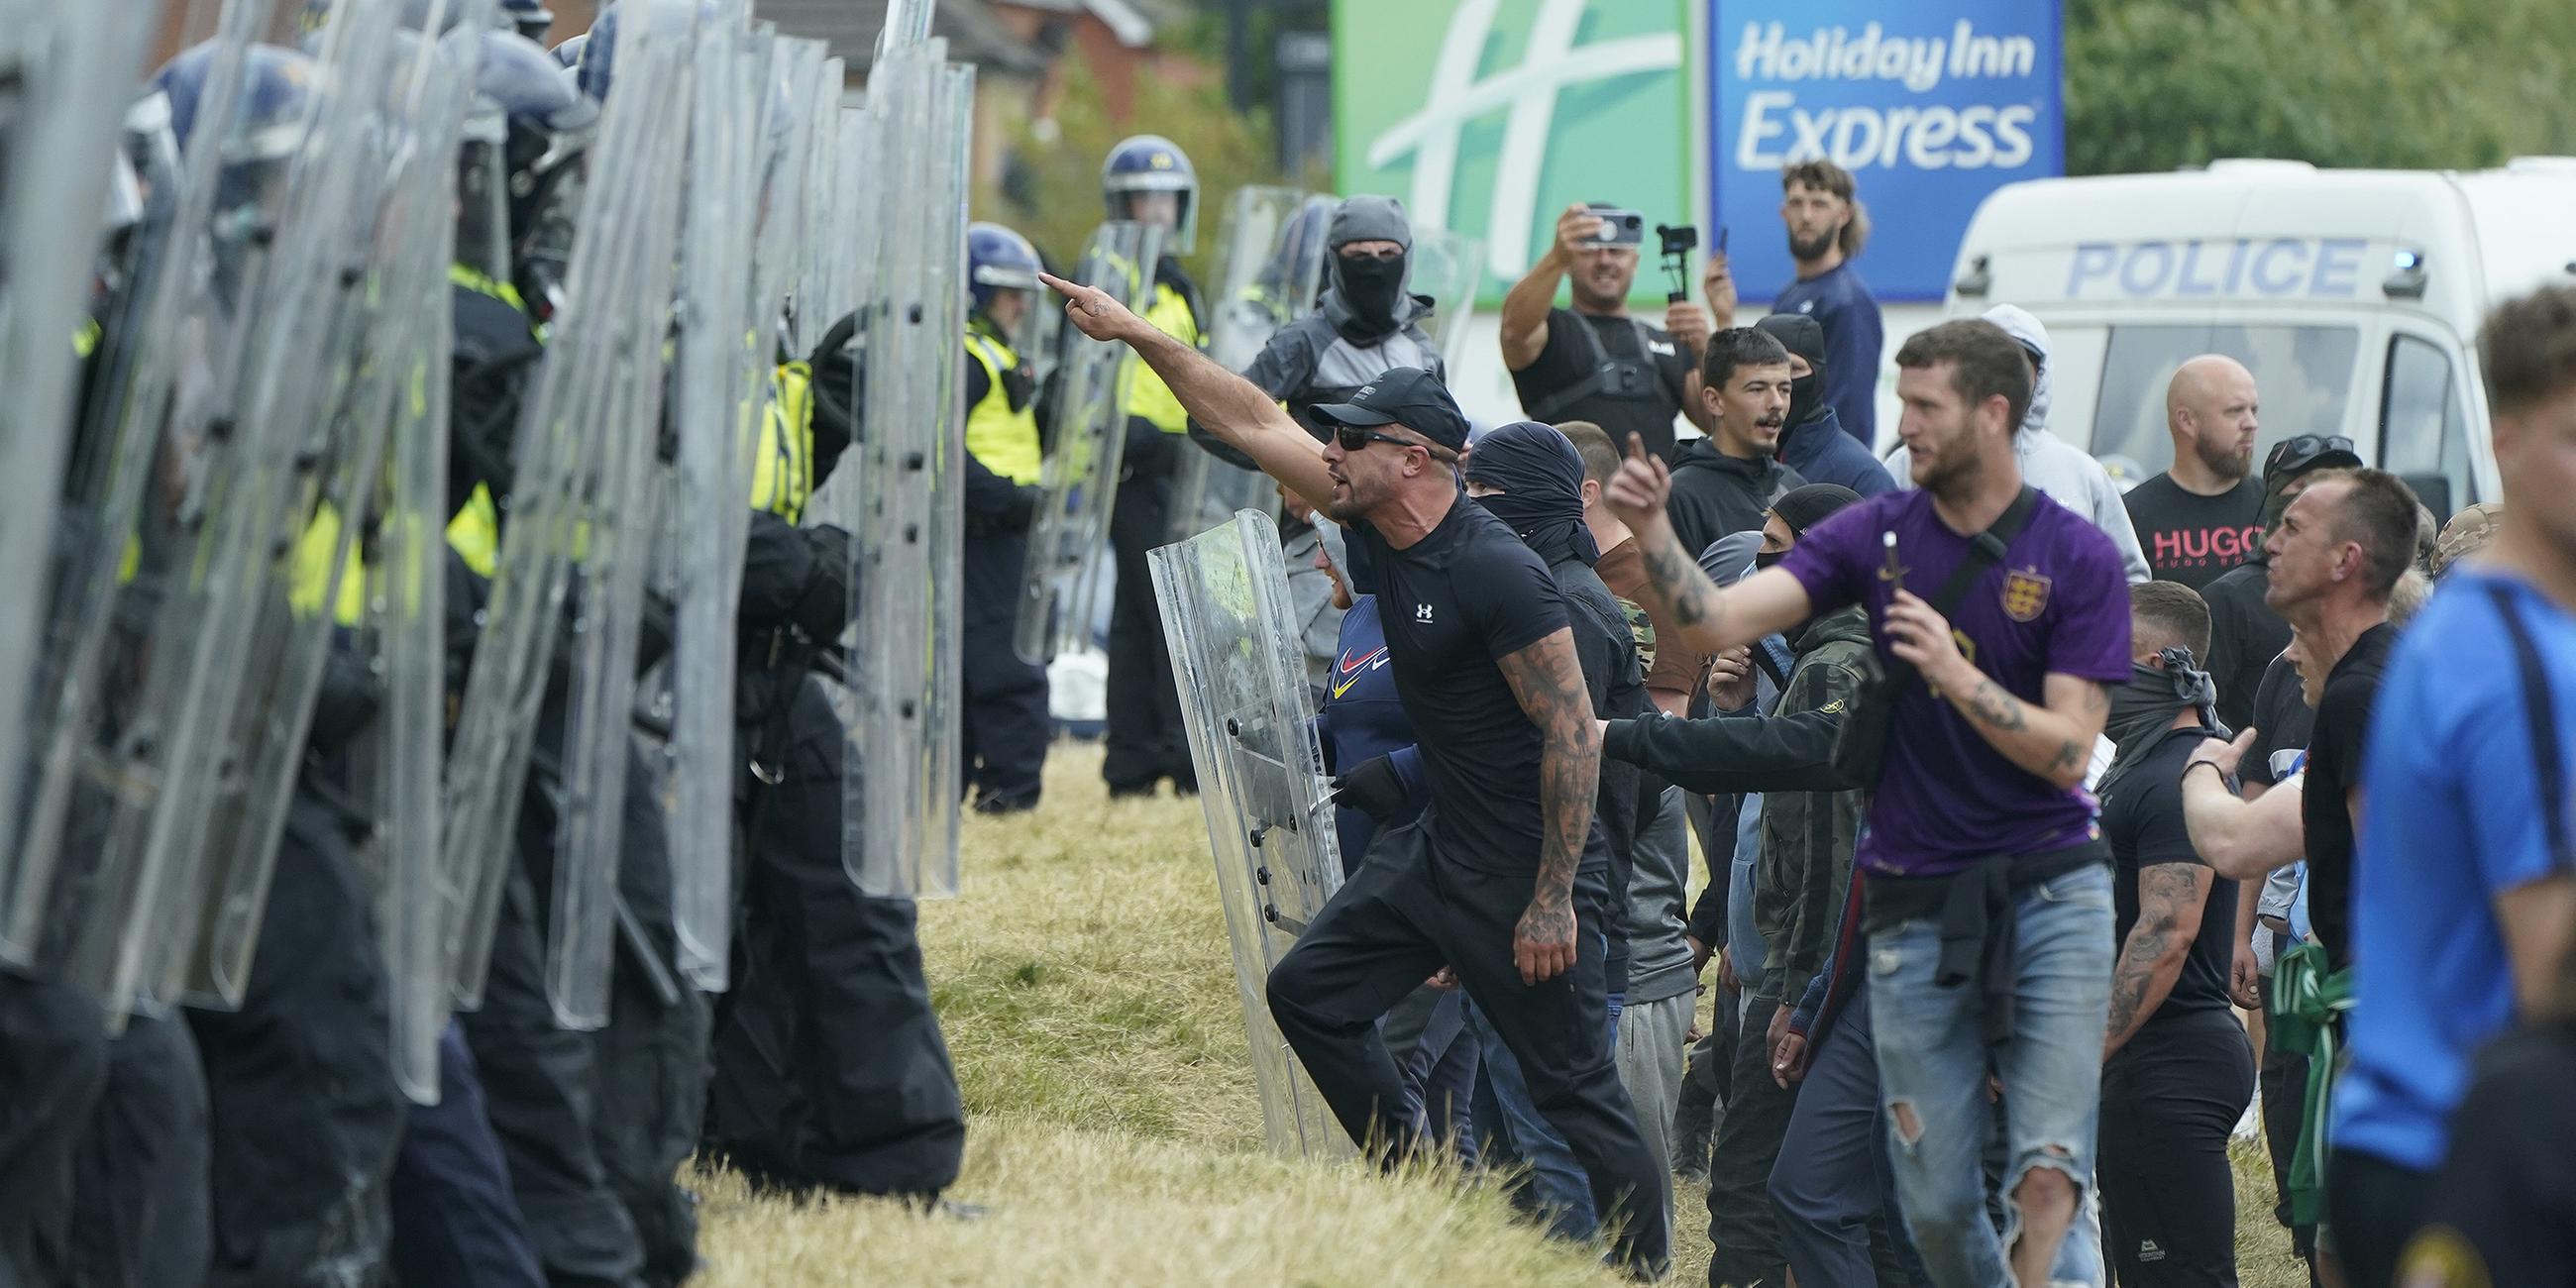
(2322, 268)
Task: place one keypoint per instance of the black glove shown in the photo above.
(1023, 513)
(1372, 787)
(823, 611)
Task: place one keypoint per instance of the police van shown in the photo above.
(2353, 295)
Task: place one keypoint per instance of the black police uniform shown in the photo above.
(1146, 740)
(1005, 727)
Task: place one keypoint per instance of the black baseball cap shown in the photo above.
(1407, 396)
(2308, 452)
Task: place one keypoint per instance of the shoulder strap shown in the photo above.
(2541, 708)
(1986, 550)
(1589, 385)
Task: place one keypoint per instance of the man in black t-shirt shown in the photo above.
(2177, 1069)
(2244, 636)
(1502, 880)
(2335, 558)
(1593, 361)
(2204, 515)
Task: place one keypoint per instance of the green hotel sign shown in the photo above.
(1489, 117)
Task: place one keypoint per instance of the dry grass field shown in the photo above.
(1088, 995)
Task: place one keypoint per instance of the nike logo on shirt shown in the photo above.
(1352, 666)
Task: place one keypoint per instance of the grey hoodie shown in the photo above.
(2050, 463)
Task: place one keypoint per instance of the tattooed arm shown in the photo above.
(2052, 739)
(2170, 899)
(1548, 681)
(1707, 620)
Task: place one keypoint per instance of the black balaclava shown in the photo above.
(1805, 337)
(2151, 699)
(1541, 477)
(1371, 289)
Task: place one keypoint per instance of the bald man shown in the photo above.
(2205, 515)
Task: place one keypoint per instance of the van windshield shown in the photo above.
(2304, 373)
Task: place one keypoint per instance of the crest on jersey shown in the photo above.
(2025, 594)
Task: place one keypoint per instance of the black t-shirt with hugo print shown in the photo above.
(1454, 603)
(2192, 538)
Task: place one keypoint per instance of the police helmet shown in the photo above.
(598, 65)
(531, 18)
(568, 54)
(1152, 163)
(998, 259)
(274, 96)
(526, 83)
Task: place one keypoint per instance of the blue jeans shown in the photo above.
(1557, 1185)
(1933, 1061)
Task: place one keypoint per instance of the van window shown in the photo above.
(2304, 373)
(2422, 428)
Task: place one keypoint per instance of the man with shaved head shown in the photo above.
(2205, 515)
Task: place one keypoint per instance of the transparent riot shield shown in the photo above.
(66, 70)
(699, 553)
(1242, 675)
(75, 901)
(647, 119)
(331, 376)
(1450, 269)
(577, 444)
(1068, 543)
(1269, 264)
(900, 796)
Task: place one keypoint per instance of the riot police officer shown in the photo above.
(1005, 711)
(1149, 180)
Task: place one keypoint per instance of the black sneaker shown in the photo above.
(1000, 805)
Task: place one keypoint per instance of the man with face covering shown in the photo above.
(1529, 476)
(1365, 325)
(1812, 441)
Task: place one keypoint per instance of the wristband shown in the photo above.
(2198, 761)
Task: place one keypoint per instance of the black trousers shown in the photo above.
(1401, 918)
(1004, 726)
(830, 1070)
(305, 1114)
(2373, 1208)
(2170, 1100)
(1146, 740)
(143, 1216)
(456, 1224)
(1741, 1226)
(53, 1070)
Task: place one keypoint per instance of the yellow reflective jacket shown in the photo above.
(1004, 439)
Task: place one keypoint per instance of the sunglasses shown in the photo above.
(1353, 438)
(2307, 447)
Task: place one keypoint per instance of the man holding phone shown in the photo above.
(1593, 361)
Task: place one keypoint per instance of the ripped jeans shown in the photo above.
(1933, 1061)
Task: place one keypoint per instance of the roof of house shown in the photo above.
(973, 33)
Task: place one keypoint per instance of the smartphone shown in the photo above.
(1619, 227)
(1721, 239)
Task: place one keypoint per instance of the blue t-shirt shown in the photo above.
(1363, 719)
(2057, 602)
(2452, 816)
(1841, 303)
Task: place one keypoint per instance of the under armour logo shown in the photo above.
(1422, 612)
(1806, 306)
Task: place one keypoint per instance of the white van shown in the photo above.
(2353, 295)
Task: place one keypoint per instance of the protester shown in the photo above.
(2244, 636)
(2177, 1068)
(2466, 841)
(1366, 323)
(2468, 532)
(2054, 466)
(1805, 864)
(1148, 179)
(1827, 226)
(1312, 587)
(1724, 483)
(2204, 515)
(1593, 361)
(1979, 789)
(1812, 442)
(1495, 882)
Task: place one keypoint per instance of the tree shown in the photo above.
(1053, 185)
(2415, 84)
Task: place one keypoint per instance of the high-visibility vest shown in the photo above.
(1004, 440)
(1147, 395)
(782, 467)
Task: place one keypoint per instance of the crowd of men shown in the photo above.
(2044, 823)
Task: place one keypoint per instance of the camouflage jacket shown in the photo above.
(1807, 837)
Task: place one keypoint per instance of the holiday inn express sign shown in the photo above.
(1490, 116)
